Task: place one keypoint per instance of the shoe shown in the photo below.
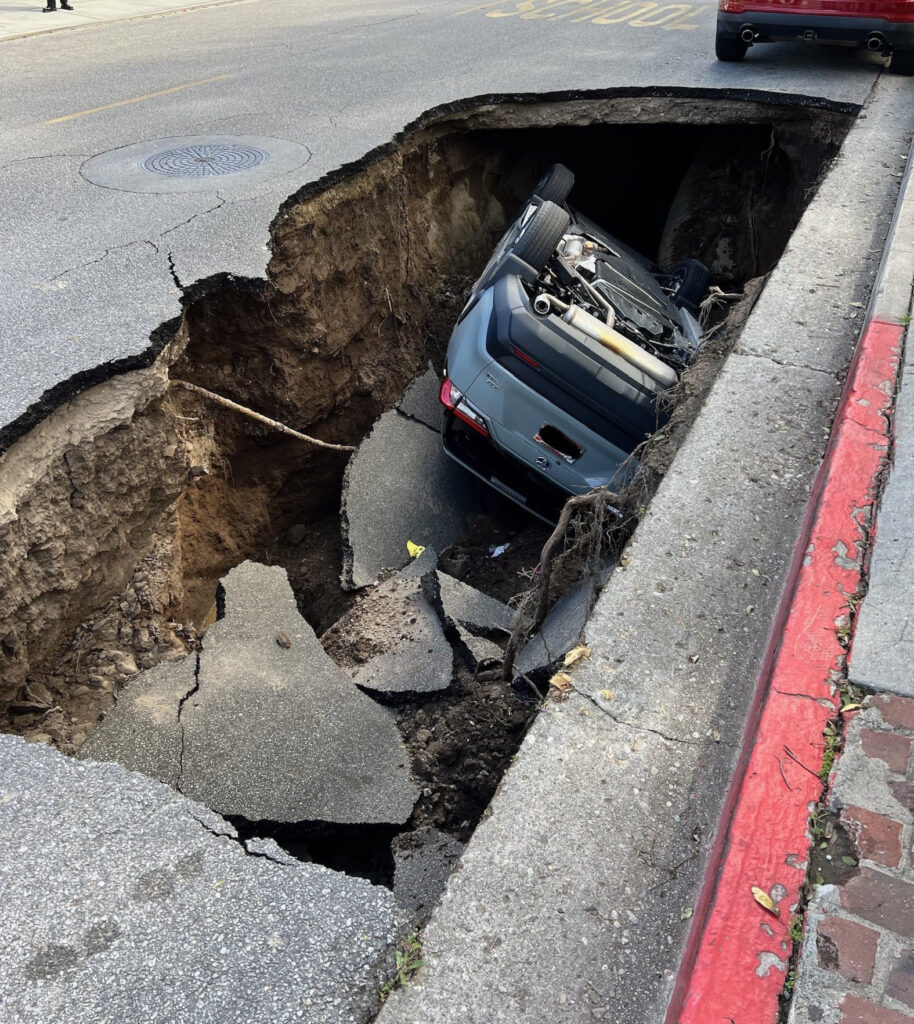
(64, 6)
(47, 10)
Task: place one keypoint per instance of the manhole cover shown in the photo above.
(195, 163)
(203, 161)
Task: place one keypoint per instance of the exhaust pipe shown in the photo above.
(609, 338)
(748, 34)
(875, 42)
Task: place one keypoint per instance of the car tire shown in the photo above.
(902, 62)
(729, 48)
(690, 279)
(555, 185)
(541, 234)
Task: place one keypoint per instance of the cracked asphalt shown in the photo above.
(91, 273)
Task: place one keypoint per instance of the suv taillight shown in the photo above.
(453, 399)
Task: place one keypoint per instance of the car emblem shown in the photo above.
(542, 462)
(492, 381)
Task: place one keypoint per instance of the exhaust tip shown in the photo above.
(542, 305)
(748, 34)
(875, 42)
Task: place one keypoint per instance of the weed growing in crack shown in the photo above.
(834, 736)
(407, 965)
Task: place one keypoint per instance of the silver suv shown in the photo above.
(559, 363)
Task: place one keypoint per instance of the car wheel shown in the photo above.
(541, 234)
(729, 48)
(555, 184)
(902, 62)
(690, 282)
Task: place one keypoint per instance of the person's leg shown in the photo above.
(50, 5)
(65, 5)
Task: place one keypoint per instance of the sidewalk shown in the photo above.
(21, 18)
(857, 960)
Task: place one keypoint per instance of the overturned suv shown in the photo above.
(560, 363)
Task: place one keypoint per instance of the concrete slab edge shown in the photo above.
(892, 291)
(724, 976)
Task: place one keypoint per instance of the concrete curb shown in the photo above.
(765, 843)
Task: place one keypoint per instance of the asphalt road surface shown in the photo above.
(89, 271)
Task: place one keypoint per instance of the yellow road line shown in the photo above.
(480, 7)
(138, 99)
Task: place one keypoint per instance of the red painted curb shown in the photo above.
(735, 958)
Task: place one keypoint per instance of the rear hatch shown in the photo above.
(542, 435)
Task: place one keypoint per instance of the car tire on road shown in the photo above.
(729, 48)
(541, 234)
(555, 185)
(902, 62)
(690, 279)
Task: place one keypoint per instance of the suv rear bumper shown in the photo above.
(502, 471)
(899, 35)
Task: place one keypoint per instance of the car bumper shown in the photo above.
(826, 28)
(502, 471)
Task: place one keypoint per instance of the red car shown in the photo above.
(884, 26)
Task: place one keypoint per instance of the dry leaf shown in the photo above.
(575, 655)
(851, 707)
(561, 681)
(764, 900)
(283, 640)
(607, 694)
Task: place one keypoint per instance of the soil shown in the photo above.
(461, 744)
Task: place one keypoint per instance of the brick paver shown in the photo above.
(857, 960)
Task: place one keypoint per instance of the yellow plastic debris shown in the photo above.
(414, 549)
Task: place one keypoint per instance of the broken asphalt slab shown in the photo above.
(140, 905)
(392, 640)
(420, 400)
(142, 731)
(423, 862)
(399, 486)
(560, 631)
(471, 608)
(271, 728)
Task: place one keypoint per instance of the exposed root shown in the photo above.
(274, 424)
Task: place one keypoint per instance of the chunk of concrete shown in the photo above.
(399, 486)
(399, 626)
(420, 400)
(274, 730)
(136, 904)
(423, 863)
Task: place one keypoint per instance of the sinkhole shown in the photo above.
(124, 510)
